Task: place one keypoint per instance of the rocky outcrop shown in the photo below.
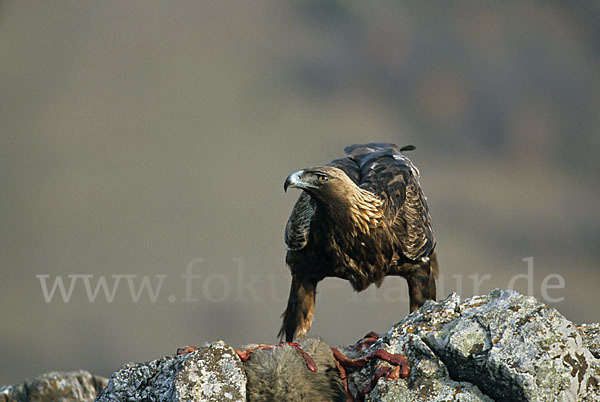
(55, 386)
(213, 373)
(591, 337)
(503, 346)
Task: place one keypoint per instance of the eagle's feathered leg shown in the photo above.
(298, 315)
(421, 282)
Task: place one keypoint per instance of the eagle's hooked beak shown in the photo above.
(294, 181)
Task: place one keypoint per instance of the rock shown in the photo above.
(215, 373)
(503, 346)
(591, 337)
(55, 386)
(212, 373)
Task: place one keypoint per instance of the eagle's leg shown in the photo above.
(298, 315)
(421, 282)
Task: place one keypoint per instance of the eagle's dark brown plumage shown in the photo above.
(359, 218)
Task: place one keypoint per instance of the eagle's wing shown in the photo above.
(298, 224)
(386, 172)
(297, 229)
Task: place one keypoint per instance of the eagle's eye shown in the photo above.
(322, 178)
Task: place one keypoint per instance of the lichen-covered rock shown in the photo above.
(56, 386)
(429, 379)
(212, 373)
(591, 337)
(503, 346)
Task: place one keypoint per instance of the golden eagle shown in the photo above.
(359, 218)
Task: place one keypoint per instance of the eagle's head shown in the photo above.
(325, 183)
(332, 187)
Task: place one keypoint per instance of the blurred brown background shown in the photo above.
(137, 136)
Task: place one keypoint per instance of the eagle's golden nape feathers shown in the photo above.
(365, 209)
(361, 218)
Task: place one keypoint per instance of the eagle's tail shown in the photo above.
(365, 153)
(298, 315)
(358, 149)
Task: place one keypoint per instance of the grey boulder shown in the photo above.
(55, 386)
(213, 373)
(503, 346)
